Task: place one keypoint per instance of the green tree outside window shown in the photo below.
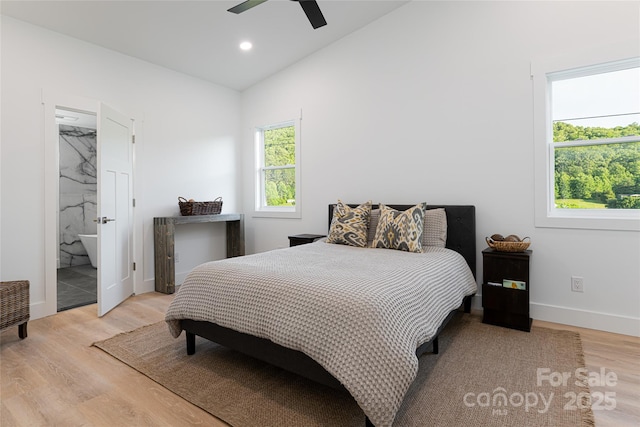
(597, 176)
(280, 163)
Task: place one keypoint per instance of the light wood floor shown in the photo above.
(55, 378)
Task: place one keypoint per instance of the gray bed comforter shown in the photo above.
(359, 312)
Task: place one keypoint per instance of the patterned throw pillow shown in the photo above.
(349, 226)
(400, 230)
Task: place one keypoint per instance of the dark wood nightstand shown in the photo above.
(301, 239)
(501, 305)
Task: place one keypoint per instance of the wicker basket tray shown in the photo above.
(188, 208)
(508, 246)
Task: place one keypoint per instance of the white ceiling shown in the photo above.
(201, 38)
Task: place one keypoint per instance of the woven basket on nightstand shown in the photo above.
(502, 246)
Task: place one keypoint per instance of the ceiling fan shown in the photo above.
(310, 7)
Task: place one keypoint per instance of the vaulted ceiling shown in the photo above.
(201, 38)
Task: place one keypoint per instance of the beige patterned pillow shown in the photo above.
(435, 228)
(373, 224)
(349, 226)
(400, 230)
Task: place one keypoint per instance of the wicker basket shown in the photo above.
(188, 208)
(14, 305)
(502, 246)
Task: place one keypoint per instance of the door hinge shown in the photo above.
(133, 139)
(134, 202)
(134, 266)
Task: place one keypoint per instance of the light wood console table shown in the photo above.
(164, 242)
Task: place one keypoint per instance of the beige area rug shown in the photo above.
(484, 376)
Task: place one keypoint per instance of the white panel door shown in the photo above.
(115, 208)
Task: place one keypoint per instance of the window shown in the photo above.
(595, 116)
(277, 171)
(588, 146)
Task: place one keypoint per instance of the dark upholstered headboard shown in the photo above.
(461, 228)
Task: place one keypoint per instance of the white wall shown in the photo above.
(187, 133)
(434, 102)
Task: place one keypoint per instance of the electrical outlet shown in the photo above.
(577, 284)
(176, 257)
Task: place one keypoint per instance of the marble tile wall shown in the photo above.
(78, 192)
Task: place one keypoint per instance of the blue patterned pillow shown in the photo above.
(400, 230)
(349, 226)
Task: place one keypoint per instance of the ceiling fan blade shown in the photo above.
(246, 5)
(312, 10)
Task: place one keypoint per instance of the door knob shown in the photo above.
(103, 220)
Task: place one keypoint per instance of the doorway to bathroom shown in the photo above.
(114, 203)
(77, 278)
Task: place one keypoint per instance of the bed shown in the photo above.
(328, 312)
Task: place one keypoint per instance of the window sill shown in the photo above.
(589, 220)
(277, 214)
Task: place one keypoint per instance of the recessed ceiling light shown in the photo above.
(246, 45)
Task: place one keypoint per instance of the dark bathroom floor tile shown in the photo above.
(77, 286)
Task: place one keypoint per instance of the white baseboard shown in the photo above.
(624, 325)
(149, 285)
(38, 310)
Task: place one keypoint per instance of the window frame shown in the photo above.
(596, 61)
(260, 207)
